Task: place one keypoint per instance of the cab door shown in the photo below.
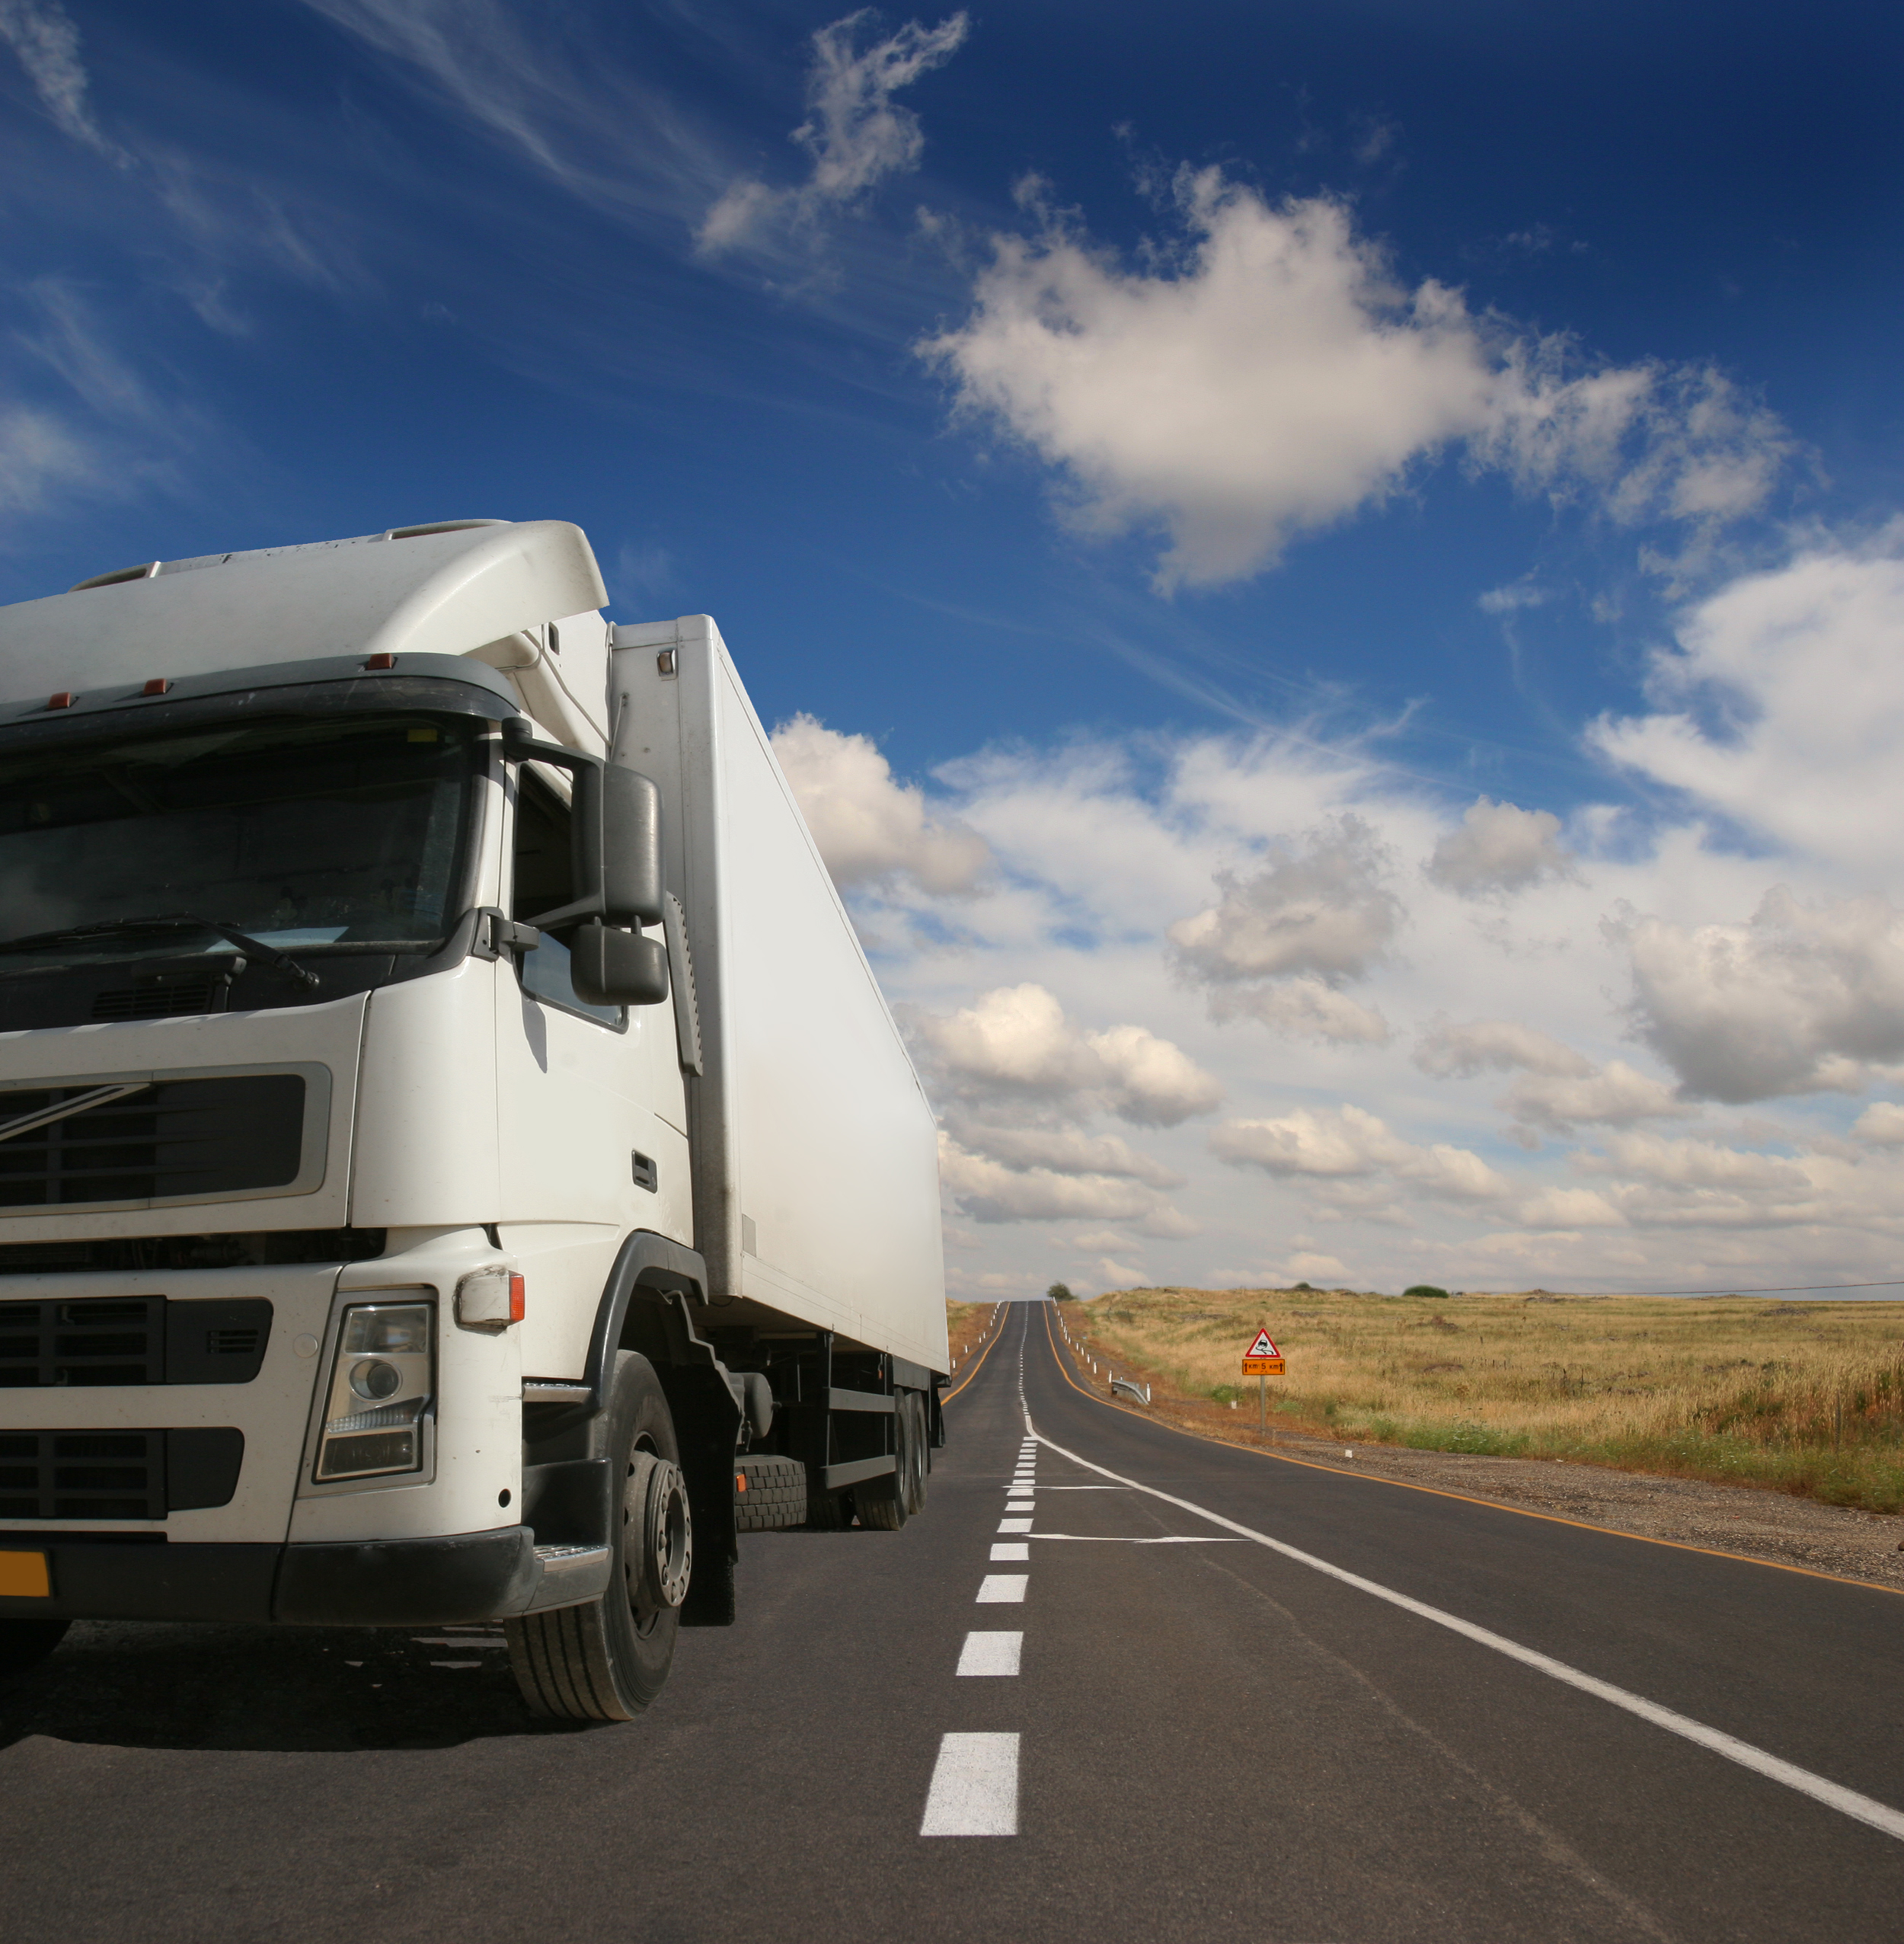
(591, 1127)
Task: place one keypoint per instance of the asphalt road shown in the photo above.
(1205, 1734)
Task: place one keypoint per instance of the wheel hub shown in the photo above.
(659, 1552)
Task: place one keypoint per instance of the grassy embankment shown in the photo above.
(1804, 1398)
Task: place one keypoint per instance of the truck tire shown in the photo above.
(24, 1644)
(774, 1497)
(913, 1403)
(605, 1661)
(885, 1502)
(829, 1512)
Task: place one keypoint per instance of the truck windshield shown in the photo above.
(302, 832)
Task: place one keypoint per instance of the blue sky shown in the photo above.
(1331, 575)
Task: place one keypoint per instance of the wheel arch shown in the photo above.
(648, 1305)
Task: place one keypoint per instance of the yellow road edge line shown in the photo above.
(1468, 1498)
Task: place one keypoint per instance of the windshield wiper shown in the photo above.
(177, 921)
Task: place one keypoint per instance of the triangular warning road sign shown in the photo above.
(1261, 1346)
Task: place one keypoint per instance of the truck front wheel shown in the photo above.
(605, 1661)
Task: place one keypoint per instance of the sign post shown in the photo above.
(1263, 1361)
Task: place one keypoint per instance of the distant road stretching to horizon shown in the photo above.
(1116, 1682)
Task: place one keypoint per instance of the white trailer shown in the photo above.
(455, 1161)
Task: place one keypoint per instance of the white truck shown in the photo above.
(455, 1161)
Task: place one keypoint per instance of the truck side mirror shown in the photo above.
(607, 967)
(630, 827)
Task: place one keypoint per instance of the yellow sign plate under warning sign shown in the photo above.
(1262, 1366)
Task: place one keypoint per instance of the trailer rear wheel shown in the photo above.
(884, 1503)
(828, 1511)
(605, 1661)
(912, 1403)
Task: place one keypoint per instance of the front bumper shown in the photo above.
(387, 1582)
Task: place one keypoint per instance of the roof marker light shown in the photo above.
(60, 699)
(158, 686)
(381, 661)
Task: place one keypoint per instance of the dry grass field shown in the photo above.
(1807, 1398)
(966, 1323)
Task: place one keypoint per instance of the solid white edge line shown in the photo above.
(974, 1787)
(1835, 1795)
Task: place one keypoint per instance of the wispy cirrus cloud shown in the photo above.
(538, 83)
(856, 134)
(42, 34)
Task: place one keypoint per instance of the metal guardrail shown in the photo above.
(1139, 1393)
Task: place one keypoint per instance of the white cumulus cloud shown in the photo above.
(1461, 1052)
(1796, 1001)
(1063, 1150)
(1881, 1123)
(1616, 1095)
(988, 1191)
(1350, 1141)
(1304, 1009)
(1499, 847)
(868, 826)
(1681, 1163)
(1568, 1208)
(1781, 704)
(1324, 911)
(1557, 1088)
(1265, 373)
(1016, 1042)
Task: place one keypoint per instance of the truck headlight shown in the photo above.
(380, 1388)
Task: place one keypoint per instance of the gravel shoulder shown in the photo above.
(1728, 1518)
(1756, 1523)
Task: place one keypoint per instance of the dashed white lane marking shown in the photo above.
(1835, 1795)
(1020, 1505)
(1002, 1589)
(974, 1787)
(1015, 1525)
(1012, 1549)
(991, 1653)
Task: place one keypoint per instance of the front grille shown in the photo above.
(175, 1137)
(117, 1474)
(83, 1343)
(110, 1340)
(82, 1475)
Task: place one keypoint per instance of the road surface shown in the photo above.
(1116, 1683)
